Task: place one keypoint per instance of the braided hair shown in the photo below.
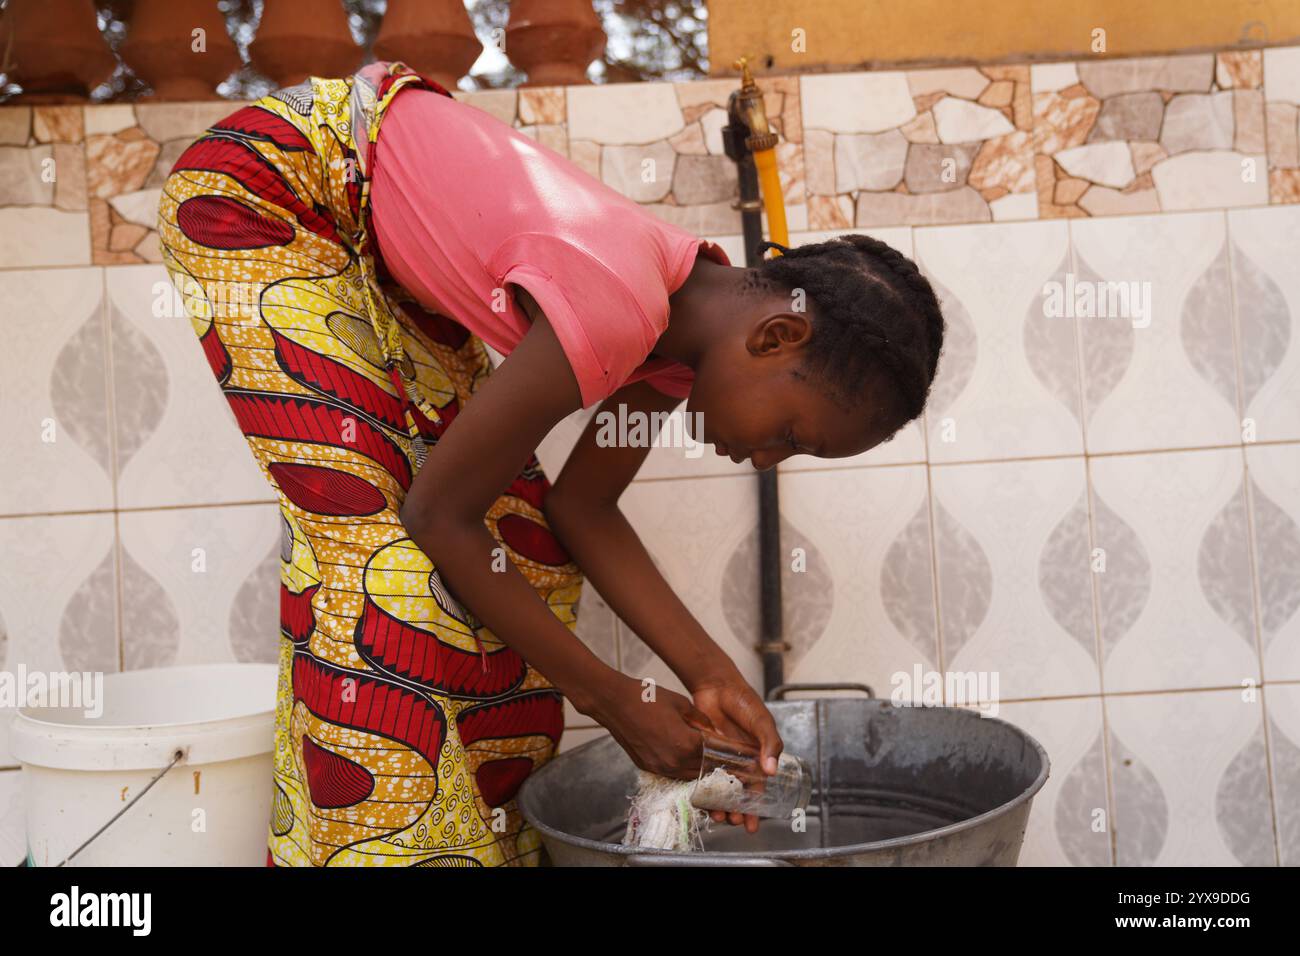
(874, 312)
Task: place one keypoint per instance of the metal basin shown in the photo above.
(892, 786)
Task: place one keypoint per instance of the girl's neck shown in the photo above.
(696, 312)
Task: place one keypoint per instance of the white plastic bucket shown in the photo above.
(211, 809)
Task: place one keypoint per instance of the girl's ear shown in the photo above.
(792, 329)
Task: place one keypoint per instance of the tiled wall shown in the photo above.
(970, 543)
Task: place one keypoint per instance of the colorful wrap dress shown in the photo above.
(404, 727)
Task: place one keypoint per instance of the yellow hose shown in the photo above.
(769, 181)
(762, 146)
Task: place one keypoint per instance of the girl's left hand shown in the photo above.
(738, 712)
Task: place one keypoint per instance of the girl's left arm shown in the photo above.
(582, 508)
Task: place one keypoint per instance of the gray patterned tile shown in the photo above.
(965, 582)
(140, 388)
(1223, 568)
(1158, 358)
(1190, 779)
(1242, 805)
(88, 627)
(1141, 811)
(1051, 349)
(1125, 585)
(150, 625)
(906, 585)
(1264, 321)
(1283, 703)
(255, 613)
(1274, 482)
(1207, 331)
(1063, 578)
(806, 596)
(79, 389)
(1075, 821)
(53, 388)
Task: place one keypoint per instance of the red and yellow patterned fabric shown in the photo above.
(404, 727)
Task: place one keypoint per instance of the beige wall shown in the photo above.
(849, 33)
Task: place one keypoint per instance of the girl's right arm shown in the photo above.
(470, 466)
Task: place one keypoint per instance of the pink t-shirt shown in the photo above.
(464, 204)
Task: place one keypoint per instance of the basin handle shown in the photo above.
(700, 859)
(780, 690)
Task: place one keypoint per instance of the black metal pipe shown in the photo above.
(771, 646)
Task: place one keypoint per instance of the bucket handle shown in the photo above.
(177, 757)
(780, 690)
(700, 859)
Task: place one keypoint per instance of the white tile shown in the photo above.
(692, 528)
(1266, 287)
(58, 599)
(862, 610)
(177, 438)
(1282, 74)
(623, 113)
(53, 378)
(1015, 206)
(184, 577)
(855, 102)
(40, 236)
(1211, 179)
(1190, 780)
(1161, 376)
(108, 118)
(1275, 512)
(1015, 596)
(1008, 377)
(960, 121)
(1110, 164)
(1176, 605)
(1049, 77)
(1069, 821)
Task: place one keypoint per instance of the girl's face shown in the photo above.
(754, 402)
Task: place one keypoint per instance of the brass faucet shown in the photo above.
(752, 110)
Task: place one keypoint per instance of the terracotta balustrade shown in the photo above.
(179, 47)
(300, 38)
(54, 51)
(182, 50)
(432, 36)
(554, 41)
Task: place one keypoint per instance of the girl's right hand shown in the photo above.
(661, 735)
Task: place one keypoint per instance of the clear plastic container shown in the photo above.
(732, 780)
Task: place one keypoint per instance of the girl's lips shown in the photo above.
(721, 449)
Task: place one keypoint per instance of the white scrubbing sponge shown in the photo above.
(666, 814)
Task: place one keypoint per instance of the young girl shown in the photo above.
(342, 283)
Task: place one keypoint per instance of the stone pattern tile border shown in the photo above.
(858, 150)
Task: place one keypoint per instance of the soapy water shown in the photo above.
(853, 817)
